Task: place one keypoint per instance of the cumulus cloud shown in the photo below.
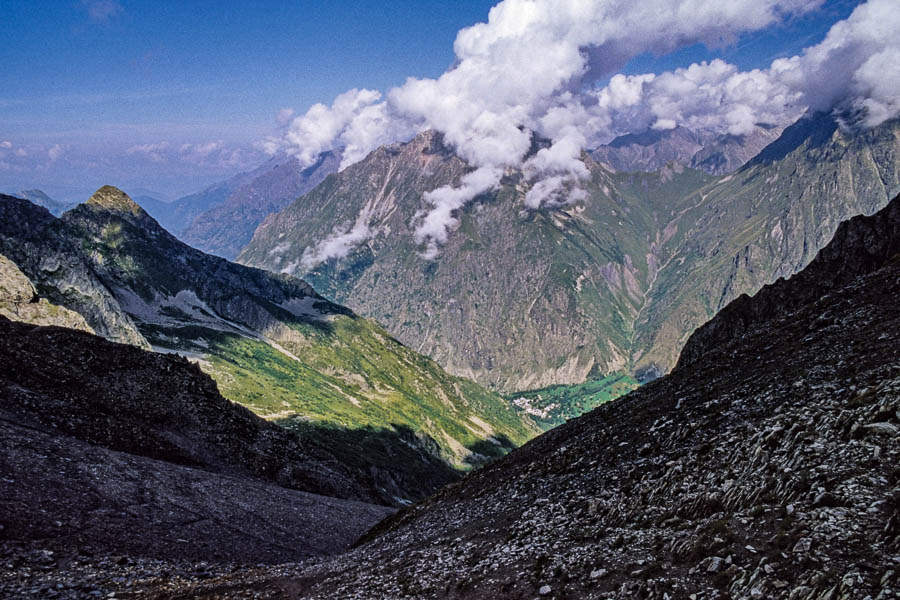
(434, 225)
(522, 73)
(210, 154)
(6, 144)
(857, 65)
(355, 124)
(529, 72)
(154, 152)
(712, 97)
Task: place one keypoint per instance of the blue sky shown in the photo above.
(96, 78)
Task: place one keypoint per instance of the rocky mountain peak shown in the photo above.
(112, 198)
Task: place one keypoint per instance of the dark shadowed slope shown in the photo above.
(112, 449)
(764, 467)
(270, 341)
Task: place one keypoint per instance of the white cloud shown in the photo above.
(355, 124)
(54, 152)
(6, 144)
(856, 66)
(709, 97)
(213, 154)
(155, 152)
(338, 244)
(434, 225)
(102, 11)
(528, 71)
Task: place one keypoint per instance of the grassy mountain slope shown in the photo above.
(554, 405)
(275, 345)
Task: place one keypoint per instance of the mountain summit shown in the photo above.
(113, 199)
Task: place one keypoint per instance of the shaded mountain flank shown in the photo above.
(613, 284)
(764, 466)
(221, 218)
(272, 344)
(111, 449)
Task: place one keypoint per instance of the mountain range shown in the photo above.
(652, 150)
(221, 218)
(763, 466)
(270, 341)
(614, 283)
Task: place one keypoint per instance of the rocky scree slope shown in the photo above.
(613, 283)
(276, 346)
(765, 466)
(109, 449)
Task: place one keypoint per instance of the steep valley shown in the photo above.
(763, 466)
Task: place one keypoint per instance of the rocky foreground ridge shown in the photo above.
(765, 466)
(110, 450)
(19, 301)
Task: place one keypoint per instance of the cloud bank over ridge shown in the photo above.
(531, 70)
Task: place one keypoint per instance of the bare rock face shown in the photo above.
(39, 245)
(19, 301)
(15, 288)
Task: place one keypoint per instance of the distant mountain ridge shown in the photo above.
(652, 150)
(614, 282)
(221, 218)
(41, 199)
